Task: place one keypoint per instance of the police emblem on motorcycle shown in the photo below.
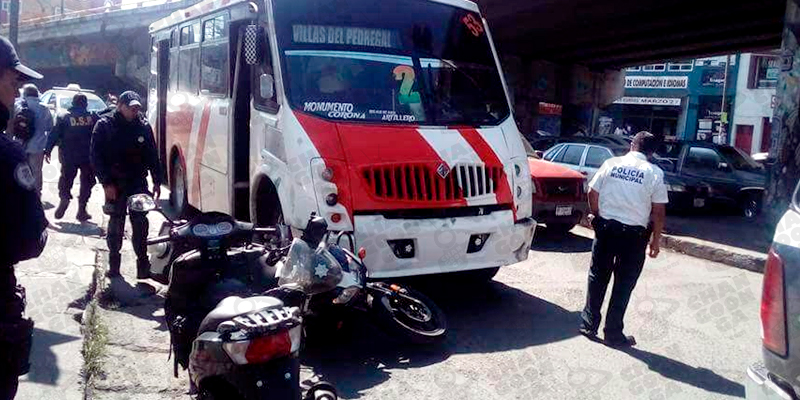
(141, 139)
(321, 270)
(443, 170)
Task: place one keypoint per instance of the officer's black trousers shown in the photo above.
(15, 335)
(116, 225)
(68, 171)
(618, 249)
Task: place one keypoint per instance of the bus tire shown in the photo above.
(178, 200)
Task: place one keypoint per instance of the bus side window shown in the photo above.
(214, 75)
(189, 69)
(263, 73)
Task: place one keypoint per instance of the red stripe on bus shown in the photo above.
(198, 154)
(490, 158)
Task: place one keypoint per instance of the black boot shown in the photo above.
(62, 208)
(142, 269)
(114, 261)
(82, 214)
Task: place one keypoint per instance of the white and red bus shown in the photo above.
(390, 119)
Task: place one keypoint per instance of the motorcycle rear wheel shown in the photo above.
(420, 322)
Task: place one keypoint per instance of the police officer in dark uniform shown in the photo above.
(23, 232)
(73, 133)
(123, 151)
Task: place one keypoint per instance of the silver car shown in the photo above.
(59, 99)
(775, 377)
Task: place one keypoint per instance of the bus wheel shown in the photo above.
(177, 188)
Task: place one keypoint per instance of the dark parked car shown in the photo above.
(775, 378)
(700, 174)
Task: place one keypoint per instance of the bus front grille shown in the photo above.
(423, 182)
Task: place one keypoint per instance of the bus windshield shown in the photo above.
(406, 61)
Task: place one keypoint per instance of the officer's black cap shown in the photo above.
(9, 59)
(130, 98)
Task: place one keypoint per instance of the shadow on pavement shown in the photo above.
(719, 226)
(545, 240)
(44, 365)
(701, 378)
(83, 229)
(141, 300)
(484, 319)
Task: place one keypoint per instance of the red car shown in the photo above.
(559, 200)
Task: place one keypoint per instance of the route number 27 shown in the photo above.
(473, 24)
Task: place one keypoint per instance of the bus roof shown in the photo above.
(208, 6)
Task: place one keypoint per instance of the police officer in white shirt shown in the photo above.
(625, 195)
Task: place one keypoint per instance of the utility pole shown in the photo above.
(62, 8)
(13, 22)
(723, 132)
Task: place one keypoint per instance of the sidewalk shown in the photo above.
(727, 239)
(57, 283)
(136, 363)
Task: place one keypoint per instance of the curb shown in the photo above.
(730, 256)
(96, 288)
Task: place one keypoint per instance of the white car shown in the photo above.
(59, 99)
(585, 158)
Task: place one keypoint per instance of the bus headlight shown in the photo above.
(327, 174)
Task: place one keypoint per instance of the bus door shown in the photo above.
(214, 136)
(162, 66)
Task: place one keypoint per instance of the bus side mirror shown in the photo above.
(267, 86)
(251, 44)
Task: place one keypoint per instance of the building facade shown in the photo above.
(675, 100)
(755, 101)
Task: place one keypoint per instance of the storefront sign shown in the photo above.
(550, 109)
(656, 82)
(713, 77)
(650, 101)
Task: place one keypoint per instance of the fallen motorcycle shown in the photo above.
(236, 342)
(397, 309)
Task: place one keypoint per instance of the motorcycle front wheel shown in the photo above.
(410, 315)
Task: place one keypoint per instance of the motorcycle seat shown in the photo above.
(234, 306)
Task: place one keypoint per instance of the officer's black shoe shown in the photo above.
(62, 208)
(590, 334)
(620, 341)
(82, 214)
(142, 269)
(114, 261)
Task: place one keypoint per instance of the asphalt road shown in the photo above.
(696, 323)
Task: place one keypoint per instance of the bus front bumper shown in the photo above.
(409, 247)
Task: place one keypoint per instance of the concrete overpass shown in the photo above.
(568, 52)
(610, 34)
(107, 49)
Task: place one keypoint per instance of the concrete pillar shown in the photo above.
(785, 146)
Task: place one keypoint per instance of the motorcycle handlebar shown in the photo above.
(159, 239)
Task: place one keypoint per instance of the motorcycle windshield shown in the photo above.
(313, 270)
